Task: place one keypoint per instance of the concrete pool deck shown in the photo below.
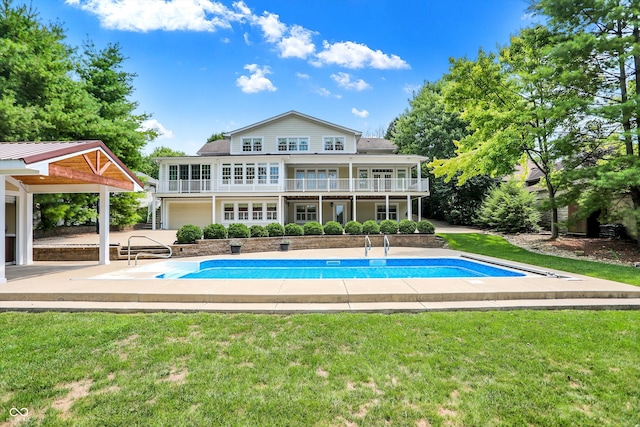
(117, 287)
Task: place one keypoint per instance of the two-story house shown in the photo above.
(290, 168)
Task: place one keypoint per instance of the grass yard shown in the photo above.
(496, 246)
(536, 368)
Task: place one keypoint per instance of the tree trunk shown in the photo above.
(554, 210)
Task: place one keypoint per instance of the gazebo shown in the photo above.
(28, 168)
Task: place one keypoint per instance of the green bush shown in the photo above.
(215, 231)
(407, 226)
(293, 229)
(238, 231)
(275, 229)
(389, 226)
(312, 228)
(189, 233)
(370, 227)
(258, 231)
(509, 208)
(353, 228)
(333, 227)
(426, 227)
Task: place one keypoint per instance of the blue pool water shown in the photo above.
(342, 269)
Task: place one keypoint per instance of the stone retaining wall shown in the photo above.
(252, 245)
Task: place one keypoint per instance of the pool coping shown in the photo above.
(77, 288)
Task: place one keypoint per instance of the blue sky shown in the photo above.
(206, 66)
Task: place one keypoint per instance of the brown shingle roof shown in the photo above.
(221, 147)
(376, 145)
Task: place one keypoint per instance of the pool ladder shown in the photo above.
(165, 256)
(367, 245)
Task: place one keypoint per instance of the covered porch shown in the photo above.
(28, 168)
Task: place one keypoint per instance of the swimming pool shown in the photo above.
(368, 268)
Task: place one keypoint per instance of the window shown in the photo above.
(274, 173)
(293, 144)
(305, 213)
(243, 211)
(229, 213)
(226, 173)
(272, 211)
(334, 143)
(238, 174)
(251, 144)
(173, 172)
(184, 172)
(262, 173)
(256, 212)
(206, 171)
(381, 212)
(251, 173)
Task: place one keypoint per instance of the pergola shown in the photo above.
(28, 168)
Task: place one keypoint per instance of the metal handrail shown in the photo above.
(164, 256)
(367, 245)
(387, 245)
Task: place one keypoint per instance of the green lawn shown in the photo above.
(495, 246)
(555, 368)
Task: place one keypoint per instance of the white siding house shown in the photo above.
(289, 168)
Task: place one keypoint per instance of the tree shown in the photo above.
(426, 128)
(216, 136)
(518, 112)
(150, 167)
(604, 36)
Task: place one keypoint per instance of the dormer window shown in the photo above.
(251, 145)
(334, 143)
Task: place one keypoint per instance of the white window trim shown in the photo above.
(298, 137)
(391, 205)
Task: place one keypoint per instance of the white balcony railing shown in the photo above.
(302, 185)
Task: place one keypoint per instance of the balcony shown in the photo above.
(313, 186)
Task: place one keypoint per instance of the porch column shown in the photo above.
(104, 225)
(24, 255)
(280, 210)
(354, 208)
(419, 174)
(409, 213)
(419, 208)
(153, 211)
(320, 209)
(351, 177)
(3, 219)
(213, 209)
(386, 202)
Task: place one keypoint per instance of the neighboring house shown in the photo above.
(291, 168)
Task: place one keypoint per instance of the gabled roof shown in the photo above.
(296, 114)
(66, 166)
(220, 147)
(376, 145)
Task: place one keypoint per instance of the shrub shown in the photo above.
(389, 226)
(509, 208)
(293, 229)
(275, 229)
(258, 231)
(215, 231)
(426, 227)
(406, 226)
(312, 228)
(353, 228)
(370, 227)
(237, 231)
(189, 233)
(333, 227)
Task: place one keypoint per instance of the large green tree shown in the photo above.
(426, 128)
(518, 110)
(149, 165)
(604, 36)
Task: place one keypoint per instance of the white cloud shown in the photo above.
(303, 76)
(344, 80)
(355, 55)
(411, 89)
(256, 82)
(298, 44)
(247, 41)
(360, 113)
(158, 127)
(150, 15)
(272, 28)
